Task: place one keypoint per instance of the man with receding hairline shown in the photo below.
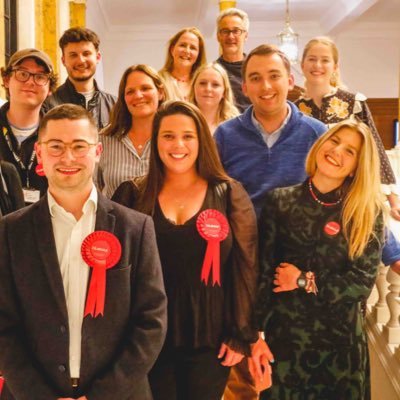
(232, 31)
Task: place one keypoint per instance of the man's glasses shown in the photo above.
(235, 32)
(23, 76)
(79, 148)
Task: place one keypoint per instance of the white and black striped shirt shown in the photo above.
(120, 162)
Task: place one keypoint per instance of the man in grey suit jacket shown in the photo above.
(48, 348)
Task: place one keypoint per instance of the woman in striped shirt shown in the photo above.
(126, 141)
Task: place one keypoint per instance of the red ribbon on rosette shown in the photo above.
(101, 250)
(213, 227)
(1, 384)
(39, 170)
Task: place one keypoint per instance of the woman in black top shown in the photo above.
(190, 197)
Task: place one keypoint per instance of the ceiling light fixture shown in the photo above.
(288, 39)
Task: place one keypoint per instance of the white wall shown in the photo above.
(26, 25)
(95, 21)
(371, 65)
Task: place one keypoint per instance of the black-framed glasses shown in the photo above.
(79, 148)
(22, 75)
(234, 31)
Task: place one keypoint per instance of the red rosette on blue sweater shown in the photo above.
(213, 227)
(101, 250)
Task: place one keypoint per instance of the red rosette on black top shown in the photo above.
(100, 250)
(39, 170)
(1, 384)
(213, 227)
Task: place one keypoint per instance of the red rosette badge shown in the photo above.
(213, 227)
(39, 170)
(332, 228)
(101, 250)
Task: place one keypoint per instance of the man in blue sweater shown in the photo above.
(266, 146)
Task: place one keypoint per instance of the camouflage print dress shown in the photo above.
(318, 341)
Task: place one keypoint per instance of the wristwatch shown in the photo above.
(302, 281)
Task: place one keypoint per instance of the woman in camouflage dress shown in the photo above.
(320, 247)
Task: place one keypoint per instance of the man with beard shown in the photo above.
(80, 56)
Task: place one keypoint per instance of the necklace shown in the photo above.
(183, 80)
(138, 146)
(181, 198)
(323, 203)
(181, 203)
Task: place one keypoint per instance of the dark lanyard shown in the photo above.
(17, 158)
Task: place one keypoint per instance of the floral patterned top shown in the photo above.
(340, 105)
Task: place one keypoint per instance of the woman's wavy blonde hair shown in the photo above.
(226, 108)
(363, 200)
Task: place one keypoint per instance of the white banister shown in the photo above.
(392, 329)
(380, 309)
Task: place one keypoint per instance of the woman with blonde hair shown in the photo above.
(327, 99)
(185, 54)
(203, 219)
(126, 140)
(212, 93)
(320, 248)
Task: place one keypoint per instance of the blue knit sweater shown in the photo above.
(247, 158)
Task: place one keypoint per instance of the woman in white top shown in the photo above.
(186, 53)
(126, 141)
(212, 93)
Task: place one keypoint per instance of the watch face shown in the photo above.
(301, 282)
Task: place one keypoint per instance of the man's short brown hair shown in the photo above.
(68, 111)
(265, 50)
(78, 34)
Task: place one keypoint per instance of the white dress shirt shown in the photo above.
(69, 235)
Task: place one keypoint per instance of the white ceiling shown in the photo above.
(331, 15)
